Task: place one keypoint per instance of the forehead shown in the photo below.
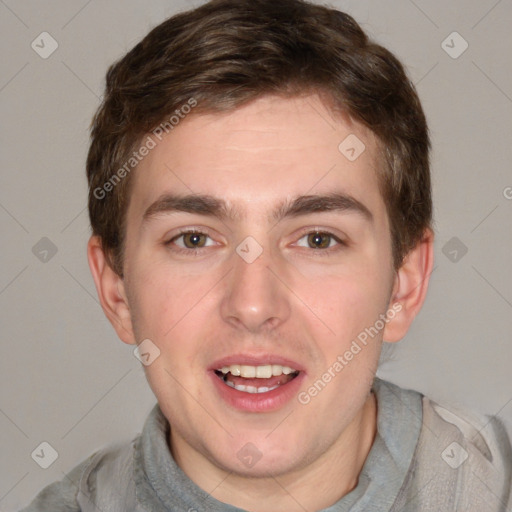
(257, 155)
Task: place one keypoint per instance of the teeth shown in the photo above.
(259, 372)
(250, 389)
(277, 369)
(264, 372)
(248, 371)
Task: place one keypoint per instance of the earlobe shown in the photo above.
(410, 287)
(111, 291)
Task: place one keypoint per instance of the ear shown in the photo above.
(111, 291)
(410, 288)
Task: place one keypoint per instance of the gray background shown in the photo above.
(66, 379)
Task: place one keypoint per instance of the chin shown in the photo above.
(258, 457)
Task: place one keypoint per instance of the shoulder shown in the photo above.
(483, 437)
(108, 483)
(84, 485)
(61, 496)
(462, 458)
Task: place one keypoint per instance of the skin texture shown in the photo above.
(296, 301)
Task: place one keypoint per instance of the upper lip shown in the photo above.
(255, 360)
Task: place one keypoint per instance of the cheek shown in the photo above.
(348, 303)
(165, 299)
(151, 300)
(165, 310)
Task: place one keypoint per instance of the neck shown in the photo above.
(316, 486)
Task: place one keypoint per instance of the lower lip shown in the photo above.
(258, 402)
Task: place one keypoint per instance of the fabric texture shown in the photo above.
(425, 458)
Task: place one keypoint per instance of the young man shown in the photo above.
(261, 213)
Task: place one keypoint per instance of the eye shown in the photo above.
(190, 240)
(319, 240)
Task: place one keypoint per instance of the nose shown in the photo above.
(255, 299)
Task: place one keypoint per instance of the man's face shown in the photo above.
(211, 302)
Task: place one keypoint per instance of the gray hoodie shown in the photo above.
(424, 458)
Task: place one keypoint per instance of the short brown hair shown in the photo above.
(228, 52)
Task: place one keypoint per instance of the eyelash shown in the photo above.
(198, 252)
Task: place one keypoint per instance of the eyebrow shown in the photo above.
(205, 204)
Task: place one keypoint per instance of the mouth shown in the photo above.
(256, 379)
(256, 387)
